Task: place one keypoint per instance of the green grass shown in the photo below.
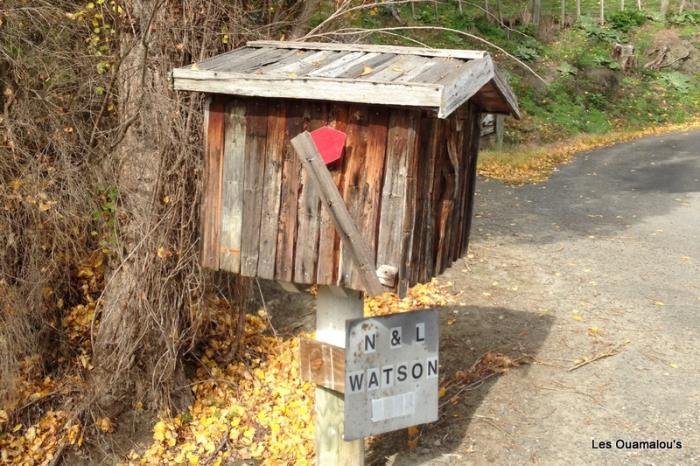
(576, 100)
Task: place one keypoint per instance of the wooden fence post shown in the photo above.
(333, 307)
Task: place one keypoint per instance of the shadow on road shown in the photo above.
(475, 331)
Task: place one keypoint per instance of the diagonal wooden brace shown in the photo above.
(321, 178)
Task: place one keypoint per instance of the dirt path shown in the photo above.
(606, 255)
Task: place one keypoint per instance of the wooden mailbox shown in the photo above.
(412, 119)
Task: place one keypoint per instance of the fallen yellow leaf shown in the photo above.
(366, 70)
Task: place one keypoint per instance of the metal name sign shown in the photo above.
(391, 372)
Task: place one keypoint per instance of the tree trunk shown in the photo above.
(578, 9)
(622, 5)
(664, 8)
(562, 14)
(602, 12)
(139, 336)
(639, 5)
(536, 6)
(681, 7)
(301, 25)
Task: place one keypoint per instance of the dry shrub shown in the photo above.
(99, 155)
(46, 176)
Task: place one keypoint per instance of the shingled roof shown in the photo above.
(441, 79)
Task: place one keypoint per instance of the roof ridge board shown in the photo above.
(398, 49)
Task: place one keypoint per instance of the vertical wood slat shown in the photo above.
(291, 173)
(212, 181)
(401, 138)
(309, 210)
(363, 170)
(353, 165)
(473, 154)
(329, 240)
(370, 198)
(407, 264)
(449, 202)
(254, 179)
(464, 149)
(232, 189)
(425, 221)
(272, 189)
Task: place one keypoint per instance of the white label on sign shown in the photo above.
(370, 342)
(420, 332)
(373, 379)
(403, 404)
(395, 336)
(432, 368)
(356, 381)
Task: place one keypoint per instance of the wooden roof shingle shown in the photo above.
(375, 74)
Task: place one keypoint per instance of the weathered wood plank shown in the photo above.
(308, 87)
(249, 65)
(309, 62)
(230, 62)
(464, 152)
(409, 231)
(363, 68)
(473, 155)
(322, 364)
(309, 211)
(401, 139)
(445, 67)
(400, 65)
(426, 258)
(447, 199)
(468, 80)
(232, 197)
(328, 240)
(426, 52)
(224, 57)
(416, 70)
(351, 236)
(212, 180)
(291, 175)
(253, 182)
(370, 193)
(338, 65)
(272, 188)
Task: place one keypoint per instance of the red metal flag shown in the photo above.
(329, 142)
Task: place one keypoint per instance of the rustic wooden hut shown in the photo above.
(412, 119)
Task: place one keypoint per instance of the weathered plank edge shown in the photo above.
(331, 89)
(472, 77)
(426, 52)
(322, 364)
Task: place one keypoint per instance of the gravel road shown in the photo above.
(603, 258)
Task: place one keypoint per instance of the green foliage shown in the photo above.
(105, 218)
(529, 49)
(688, 17)
(567, 69)
(676, 80)
(594, 31)
(626, 20)
(606, 62)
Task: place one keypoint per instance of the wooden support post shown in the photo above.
(332, 310)
(500, 130)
